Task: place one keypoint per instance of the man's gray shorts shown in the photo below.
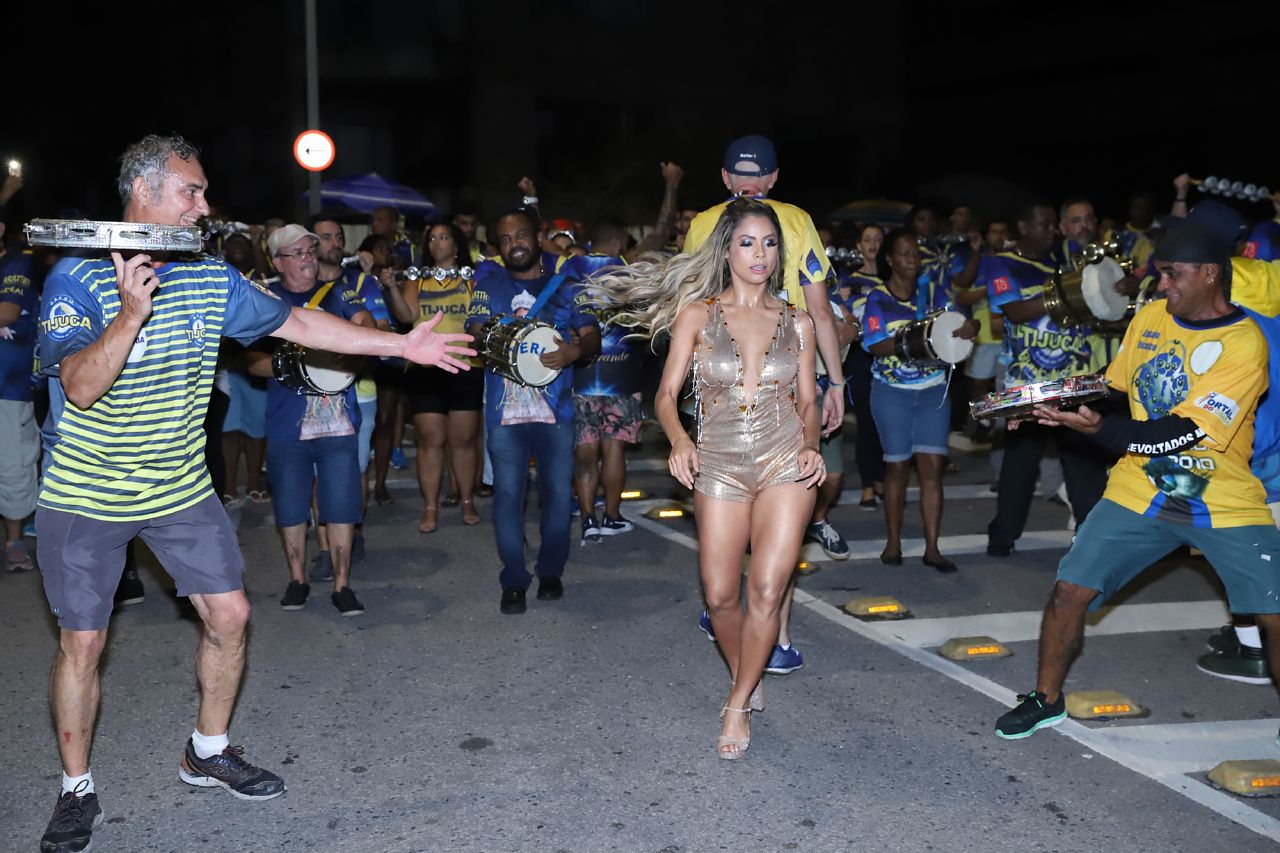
(82, 558)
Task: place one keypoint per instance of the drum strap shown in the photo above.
(545, 296)
(318, 297)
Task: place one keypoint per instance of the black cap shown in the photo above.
(1193, 243)
(1222, 219)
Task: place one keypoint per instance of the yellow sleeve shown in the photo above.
(810, 255)
(1255, 284)
(1221, 399)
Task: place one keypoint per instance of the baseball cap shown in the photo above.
(753, 150)
(287, 236)
(1193, 243)
(1223, 220)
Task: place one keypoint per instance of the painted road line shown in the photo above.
(1105, 741)
(1099, 740)
(969, 543)
(1025, 625)
(1174, 748)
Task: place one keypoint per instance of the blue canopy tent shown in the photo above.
(370, 191)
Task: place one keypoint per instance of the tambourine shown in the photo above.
(1019, 402)
(95, 234)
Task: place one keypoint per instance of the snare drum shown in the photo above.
(1019, 402)
(513, 348)
(310, 371)
(933, 339)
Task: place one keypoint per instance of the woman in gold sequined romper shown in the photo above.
(754, 463)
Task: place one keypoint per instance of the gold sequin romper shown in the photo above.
(744, 447)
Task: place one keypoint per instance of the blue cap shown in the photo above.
(754, 150)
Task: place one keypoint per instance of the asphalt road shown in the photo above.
(433, 723)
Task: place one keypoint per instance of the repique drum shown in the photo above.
(513, 348)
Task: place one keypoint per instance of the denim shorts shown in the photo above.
(910, 421)
(1115, 545)
(331, 463)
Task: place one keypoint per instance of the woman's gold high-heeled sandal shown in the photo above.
(729, 747)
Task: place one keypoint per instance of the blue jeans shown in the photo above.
(551, 447)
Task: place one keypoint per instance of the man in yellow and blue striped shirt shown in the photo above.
(133, 344)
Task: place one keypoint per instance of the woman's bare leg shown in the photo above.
(929, 470)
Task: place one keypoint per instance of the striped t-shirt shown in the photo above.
(138, 451)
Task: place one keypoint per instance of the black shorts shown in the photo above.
(433, 391)
(389, 374)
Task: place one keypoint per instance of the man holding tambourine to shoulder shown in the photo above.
(134, 343)
(1036, 349)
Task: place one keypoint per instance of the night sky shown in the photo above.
(978, 101)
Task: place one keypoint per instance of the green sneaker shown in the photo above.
(1244, 664)
(1033, 713)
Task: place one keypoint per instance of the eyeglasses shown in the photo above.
(305, 255)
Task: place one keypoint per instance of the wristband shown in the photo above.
(529, 200)
(835, 384)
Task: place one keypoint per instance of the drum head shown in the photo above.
(942, 338)
(320, 369)
(1098, 287)
(532, 344)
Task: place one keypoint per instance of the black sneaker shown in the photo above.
(229, 770)
(130, 590)
(550, 589)
(512, 601)
(590, 530)
(357, 549)
(321, 567)
(346, 602)
(295, 596)
(613, 526)
(1032, 713)
(73, 822)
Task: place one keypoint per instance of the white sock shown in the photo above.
(784, 646)
(69, 783)
(1248, 636)
(207, 746)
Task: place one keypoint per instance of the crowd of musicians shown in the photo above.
(914, 318)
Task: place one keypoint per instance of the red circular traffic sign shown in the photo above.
(313, 149)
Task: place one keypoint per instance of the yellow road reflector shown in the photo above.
(1102, 705)
(968, 648)
(1259, 777)
(668, 511)
(877, 607)
(633, 495)
(805, 567)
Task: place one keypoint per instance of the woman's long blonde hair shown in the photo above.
(650, 293)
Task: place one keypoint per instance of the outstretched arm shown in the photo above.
(423, 345)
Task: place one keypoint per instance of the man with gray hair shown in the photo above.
(133, 343)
